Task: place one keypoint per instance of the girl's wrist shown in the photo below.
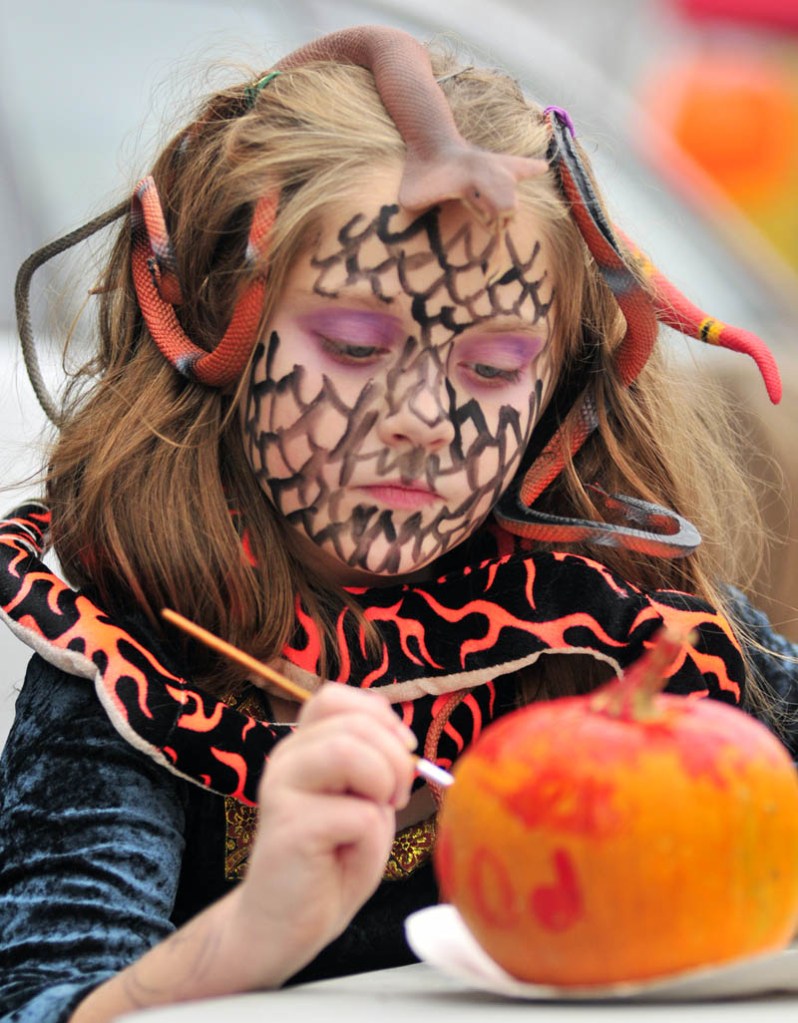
(262, 950)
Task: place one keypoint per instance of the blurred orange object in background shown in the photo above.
(736, 114)
(733, 108)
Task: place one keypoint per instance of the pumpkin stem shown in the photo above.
(631, 697)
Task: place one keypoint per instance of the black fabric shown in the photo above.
(775, 661)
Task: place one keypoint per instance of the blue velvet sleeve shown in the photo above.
(775, 658)
(91, 843)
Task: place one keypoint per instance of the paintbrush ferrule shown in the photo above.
(437, 775)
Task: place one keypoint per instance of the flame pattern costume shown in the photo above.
(160, 825)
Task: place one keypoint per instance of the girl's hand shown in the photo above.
(327, 820)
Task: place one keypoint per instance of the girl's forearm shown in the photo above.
(208, 957)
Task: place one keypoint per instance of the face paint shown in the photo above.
(404, 370)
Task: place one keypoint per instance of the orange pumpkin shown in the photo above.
(623, 835)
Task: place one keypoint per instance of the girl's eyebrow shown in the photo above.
(511, 325)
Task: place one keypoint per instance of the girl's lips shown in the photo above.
(396, 495)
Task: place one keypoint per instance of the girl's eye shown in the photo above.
(343, 351)
(496, 374)
(497, 360)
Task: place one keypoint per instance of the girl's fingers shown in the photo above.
(369, 715)
(339, 821)
(327, 801)
(333, 699)
(351, 754)
(364, 833)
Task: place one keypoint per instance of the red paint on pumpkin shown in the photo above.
(558, 906)
(551, 801)
(494, 891)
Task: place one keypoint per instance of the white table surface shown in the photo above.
(421, 994)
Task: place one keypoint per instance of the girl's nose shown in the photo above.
(419, 416)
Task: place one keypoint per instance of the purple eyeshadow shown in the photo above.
(517, 348)
(353, 325)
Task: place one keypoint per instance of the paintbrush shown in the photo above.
(428, 770)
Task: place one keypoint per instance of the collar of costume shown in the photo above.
(446, 653)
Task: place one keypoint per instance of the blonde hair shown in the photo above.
(148, 466)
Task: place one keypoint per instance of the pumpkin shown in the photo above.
(622, 836)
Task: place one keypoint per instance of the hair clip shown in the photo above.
(251, 92)
(564, 117)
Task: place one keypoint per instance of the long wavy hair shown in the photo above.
(148, 466)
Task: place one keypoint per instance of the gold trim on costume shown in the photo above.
(240, 820)
(411, 848)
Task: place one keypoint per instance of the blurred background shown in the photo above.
(688, 107)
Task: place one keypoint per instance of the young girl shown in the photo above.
(371, 362)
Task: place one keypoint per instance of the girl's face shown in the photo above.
(402, 374)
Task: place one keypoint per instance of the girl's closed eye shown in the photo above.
(350, 352)
(497, 361)
(487, 372)
(352, 337)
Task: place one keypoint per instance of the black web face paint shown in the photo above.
(404, 371)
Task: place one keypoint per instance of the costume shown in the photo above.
(98, 866)
(443, 645)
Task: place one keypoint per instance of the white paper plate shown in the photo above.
(439, 937)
